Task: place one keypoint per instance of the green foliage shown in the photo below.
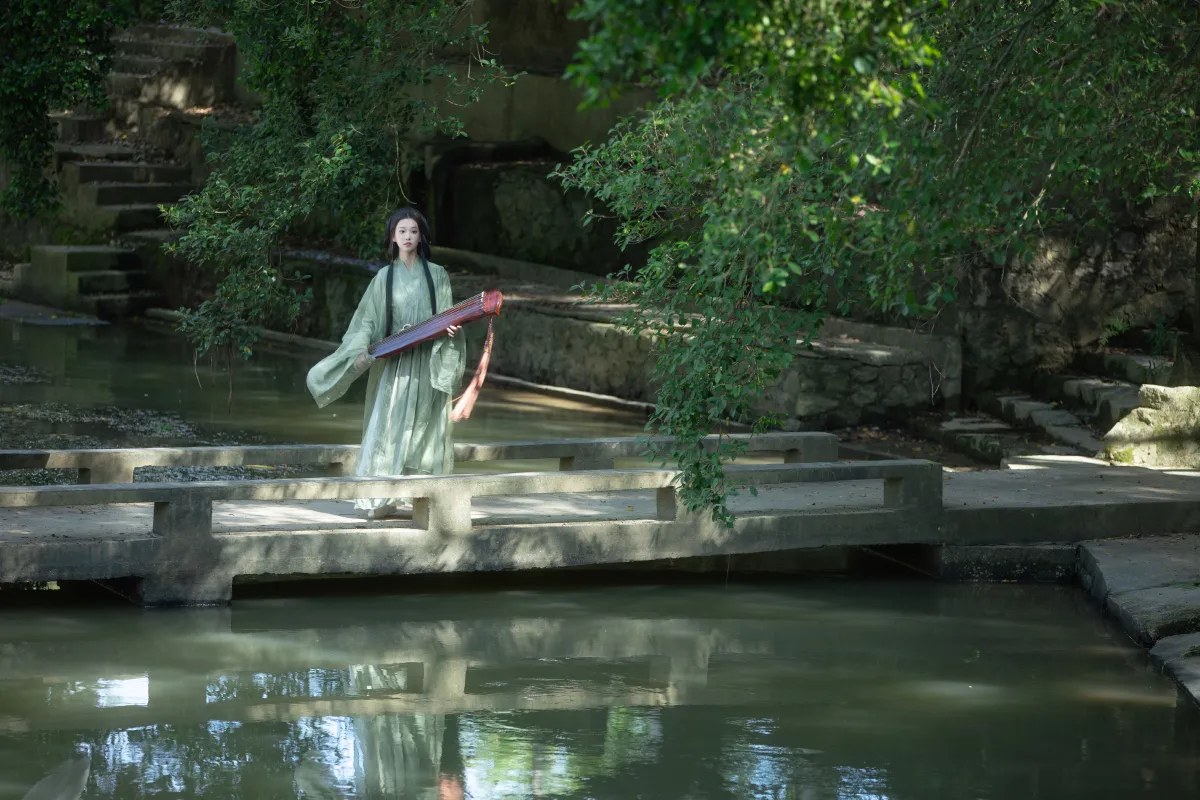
(343, 91)
(827, 155)
(55, 56)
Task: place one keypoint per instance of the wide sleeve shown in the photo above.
(449, 356)
(331, 377)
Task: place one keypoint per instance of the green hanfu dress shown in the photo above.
(406, 419)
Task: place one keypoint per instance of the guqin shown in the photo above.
(484, 304)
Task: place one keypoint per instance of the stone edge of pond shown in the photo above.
(1151, 586)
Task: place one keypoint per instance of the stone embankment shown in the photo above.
(1152, 586)
(547, 335)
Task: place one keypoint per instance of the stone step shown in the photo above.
(179, 91)
(175, 33)
(50, 276)
(981, 437)
(82, 258)
(1053, 421)
(101, 194)
(115, 306)
(108, 282)
(83, 172)
(170, 52)
(151, 237)
(71, 152)
(1098, 401)
(133, 216)
(80, 128)
(139, 64)
(1136, 368)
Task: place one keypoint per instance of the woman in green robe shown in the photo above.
(406, 421)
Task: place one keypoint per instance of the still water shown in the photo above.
(811, 690)
(146, 368)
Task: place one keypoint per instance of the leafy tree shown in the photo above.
(825, 155)
(55, 56)
(341, 88)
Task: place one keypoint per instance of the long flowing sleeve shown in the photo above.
(331, 377)
(449, 357)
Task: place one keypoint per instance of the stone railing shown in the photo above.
(184, 561)
(118, 465)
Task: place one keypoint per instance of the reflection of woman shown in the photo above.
(451, 769)
(406, 421)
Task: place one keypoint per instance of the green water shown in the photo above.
(811, 690)
(133, 367)
(906, 691)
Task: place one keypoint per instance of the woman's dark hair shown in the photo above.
(389, 243)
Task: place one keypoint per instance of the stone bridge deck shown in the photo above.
(188, 541)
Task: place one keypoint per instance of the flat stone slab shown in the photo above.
(1151, 585)
(1179, 657)
(1119, 566)
(1152, 614)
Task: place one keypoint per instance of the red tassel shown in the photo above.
(466, 401)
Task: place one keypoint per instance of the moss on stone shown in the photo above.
(1120, 455)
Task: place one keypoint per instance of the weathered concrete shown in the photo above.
(190, 558)
(1048, 419)
(1179, 657)
(1151, 585)
(1032, 563)
(540, 520)
(118, 465)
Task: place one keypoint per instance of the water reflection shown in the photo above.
(818, 692)
(139, 368)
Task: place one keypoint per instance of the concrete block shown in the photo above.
(445, 512)
(115, 468)
(919, 487)
(187, 515)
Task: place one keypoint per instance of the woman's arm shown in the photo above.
(329, 379)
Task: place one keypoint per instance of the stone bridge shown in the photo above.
(186, 543)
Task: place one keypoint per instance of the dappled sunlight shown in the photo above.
(958, 693)
(1163, 696)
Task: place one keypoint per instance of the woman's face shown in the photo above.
(407, 236)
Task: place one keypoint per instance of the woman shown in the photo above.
(406, 422)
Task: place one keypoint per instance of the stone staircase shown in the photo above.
(1061, 414)
(113, 179)
(1077, 410)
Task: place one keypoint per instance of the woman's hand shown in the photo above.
(363, 361)
(452, 330)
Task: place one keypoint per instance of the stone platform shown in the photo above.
(1152, 586)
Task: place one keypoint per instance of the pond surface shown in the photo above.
(812, 690)
(134, 367)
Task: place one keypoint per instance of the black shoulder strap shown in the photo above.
(432, 292)
(387, 299)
